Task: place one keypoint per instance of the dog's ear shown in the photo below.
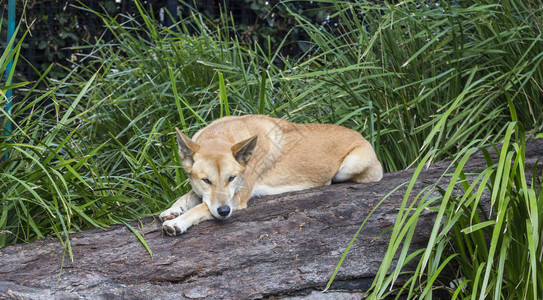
(243, 150)
(187, 148)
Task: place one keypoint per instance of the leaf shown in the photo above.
(478, 226)
(140, 237)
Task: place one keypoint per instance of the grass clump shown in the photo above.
(51, 178)
(477, 249)
(436, 75)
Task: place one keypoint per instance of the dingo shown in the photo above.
(235, 158)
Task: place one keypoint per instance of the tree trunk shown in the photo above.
(281, 246)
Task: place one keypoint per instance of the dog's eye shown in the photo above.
(206, 181)
(231, 178)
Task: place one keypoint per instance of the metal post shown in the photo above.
(11, 31)
(171, 6)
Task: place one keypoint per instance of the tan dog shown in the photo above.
(235, 158)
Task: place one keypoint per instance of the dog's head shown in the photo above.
(216, 171)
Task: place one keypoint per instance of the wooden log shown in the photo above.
(281, 246)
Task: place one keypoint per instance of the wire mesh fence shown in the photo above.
(59, 28)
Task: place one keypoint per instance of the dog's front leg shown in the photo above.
(193, 216)
(182, 205)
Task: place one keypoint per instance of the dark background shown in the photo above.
(60, 30)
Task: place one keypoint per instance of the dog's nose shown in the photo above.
(224, 210)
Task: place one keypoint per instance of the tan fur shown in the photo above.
(264, 156)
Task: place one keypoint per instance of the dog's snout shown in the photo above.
(224, 210)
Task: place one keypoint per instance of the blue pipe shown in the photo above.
(11, 31)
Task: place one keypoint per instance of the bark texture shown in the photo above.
(281, 246)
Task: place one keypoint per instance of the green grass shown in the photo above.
(51, 180)
(421, 83)
(492, 247)
(424, 68)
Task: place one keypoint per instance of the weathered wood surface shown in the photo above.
(279, 247)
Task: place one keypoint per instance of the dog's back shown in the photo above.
(291, 156)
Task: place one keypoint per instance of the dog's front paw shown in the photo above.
(175, 227)
(171, 213)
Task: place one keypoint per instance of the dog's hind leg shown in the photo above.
(183, 204)
(360, 165)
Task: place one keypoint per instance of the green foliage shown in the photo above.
(453, 67)
(422, 83)
(492, 255)
(395, 73)
(456, 75)
(51, 181)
